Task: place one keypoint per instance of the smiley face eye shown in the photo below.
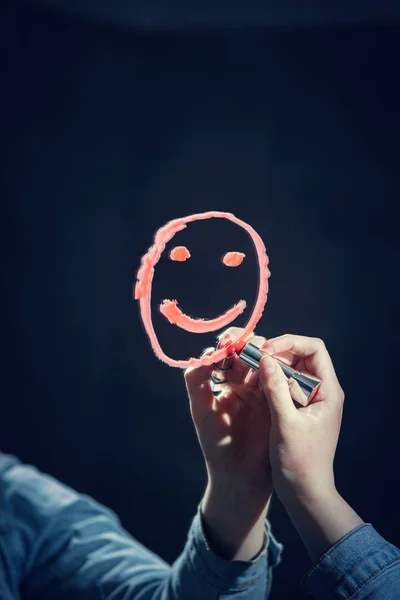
(233, 259)
(179, 254)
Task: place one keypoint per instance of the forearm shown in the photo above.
(234, 521)
(321, 518)
(76, 547)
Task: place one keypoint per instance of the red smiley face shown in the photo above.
(170, 309)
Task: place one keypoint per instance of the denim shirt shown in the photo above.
(360, 566)
(60, 545)
(57, 544)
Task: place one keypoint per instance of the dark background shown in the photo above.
(108, 131)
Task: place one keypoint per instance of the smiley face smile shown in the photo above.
(171, 311)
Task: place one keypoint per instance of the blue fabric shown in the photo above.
(360, 566)
(58, 544)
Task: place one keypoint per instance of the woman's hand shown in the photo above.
(233, 427)
(303, 442)
(233, 431)
(304, 439)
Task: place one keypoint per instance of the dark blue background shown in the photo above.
(106, 135)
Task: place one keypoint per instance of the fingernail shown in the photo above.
(224, 342)
(270, 364)
(207, 351)
(268, 347)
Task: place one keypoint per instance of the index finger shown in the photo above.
(198, 386)
(233, 368)
(313, 350)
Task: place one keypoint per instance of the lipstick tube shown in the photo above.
(251, 356)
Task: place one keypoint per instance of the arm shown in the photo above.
(61, 544)
(321, 519)
(234, 522)
(65, 545)
(232, 421)
(352, 560)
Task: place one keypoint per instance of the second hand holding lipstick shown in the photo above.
(307, 387)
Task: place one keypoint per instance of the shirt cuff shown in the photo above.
(235, 575)
(352, 562)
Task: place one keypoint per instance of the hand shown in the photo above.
(304, 439)
(233, 431)
(303, 443)
(233, 428)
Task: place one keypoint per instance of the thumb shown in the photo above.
(276, 390)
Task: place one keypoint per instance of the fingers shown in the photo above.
(231, 334)
(296, 392)
(198, 386)
(313, 350)
(238, 370)
(252, 379)
(288, 358)
(299, 344)
(316, 359)
(227, 404)
(276, 390)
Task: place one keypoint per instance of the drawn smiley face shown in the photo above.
(170, 309)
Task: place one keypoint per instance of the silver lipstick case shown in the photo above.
(303, 388)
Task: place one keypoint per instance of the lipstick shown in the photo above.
(251, 356)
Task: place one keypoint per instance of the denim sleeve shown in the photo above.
(57, 544)
(360, 566)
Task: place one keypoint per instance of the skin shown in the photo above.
(303, 442)
(239, 486)
(273, 444)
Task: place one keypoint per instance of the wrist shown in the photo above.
(236, 498)
(311, 491)
(256, 490)
(321, 517)
(234, 520)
